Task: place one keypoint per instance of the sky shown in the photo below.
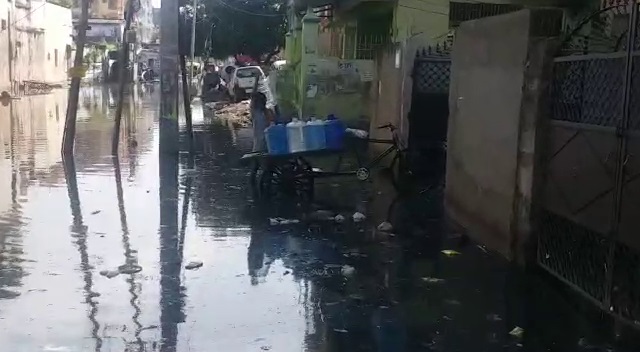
(156, 3)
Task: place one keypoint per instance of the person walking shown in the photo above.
(262, 107)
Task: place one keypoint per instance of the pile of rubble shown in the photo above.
(236, 113)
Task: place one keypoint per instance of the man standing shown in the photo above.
(262, 107)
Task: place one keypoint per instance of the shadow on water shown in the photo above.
(131, 260)
(79, 232)
(171, 295)
(11, 270)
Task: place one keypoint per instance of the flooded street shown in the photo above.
(89, 262)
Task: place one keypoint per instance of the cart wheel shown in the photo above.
(292, 179)
(304, 179)
(400, 174)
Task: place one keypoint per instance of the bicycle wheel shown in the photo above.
(399, 172)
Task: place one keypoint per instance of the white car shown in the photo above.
(242, 81)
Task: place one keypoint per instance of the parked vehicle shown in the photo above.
(242, 81)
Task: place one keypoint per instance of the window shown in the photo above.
(55, 56)
(48, 56)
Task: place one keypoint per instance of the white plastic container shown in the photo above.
(295, 136)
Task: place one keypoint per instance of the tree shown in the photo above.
(229, 27)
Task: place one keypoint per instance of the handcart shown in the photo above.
(292, 175)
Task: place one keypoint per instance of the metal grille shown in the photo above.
(625, 296)
(634, 118)
(575, 252)
(589, 221)
(466, 11)
(432, 69)
(588, 90)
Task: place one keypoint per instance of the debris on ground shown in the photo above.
(449, 252)
(282, 221)
(517, 332)
(110, 273)
(96, 212)
(237, 113)
(385, 226)
(358, 217)
(194, 264)
(129, 269)
(493, 317)
(432, 280)
(339, 218)
(341, 330)
(347, 270)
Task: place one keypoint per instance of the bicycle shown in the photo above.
(398, 170)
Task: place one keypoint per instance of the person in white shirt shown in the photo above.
(262, 111)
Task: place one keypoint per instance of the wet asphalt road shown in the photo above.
(315, 286)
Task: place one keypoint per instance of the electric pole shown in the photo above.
(77, 72)
(170, 258)
(169, 52)
(123, 69)
(193, 39)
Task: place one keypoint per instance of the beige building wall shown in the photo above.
(36, 36)
(27, 38)
(57, 42)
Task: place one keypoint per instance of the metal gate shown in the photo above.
(429, 113)
(590, 193)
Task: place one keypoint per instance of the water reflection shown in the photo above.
(79, 232)
(280, 288)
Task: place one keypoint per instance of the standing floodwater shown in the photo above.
(89, 262)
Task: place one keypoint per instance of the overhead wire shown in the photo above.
(249, 12)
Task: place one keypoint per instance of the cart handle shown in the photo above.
(388, 125)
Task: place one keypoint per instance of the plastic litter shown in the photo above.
(432, 280)
(194, 264)
(347, 270)
(110, 273)
(358, 217)
(129, 269)
(281, 221)
(339, 218)
(450, 252)
(517, 332)
(385, 226)
(357, 133)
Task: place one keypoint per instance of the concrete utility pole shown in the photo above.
(193, 39)
(170, 259)
(123, 69)
(169, 52)
(77, 72)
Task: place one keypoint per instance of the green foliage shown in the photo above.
(228, 27)
(64, 3)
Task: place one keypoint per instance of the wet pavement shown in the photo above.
(65, 229)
